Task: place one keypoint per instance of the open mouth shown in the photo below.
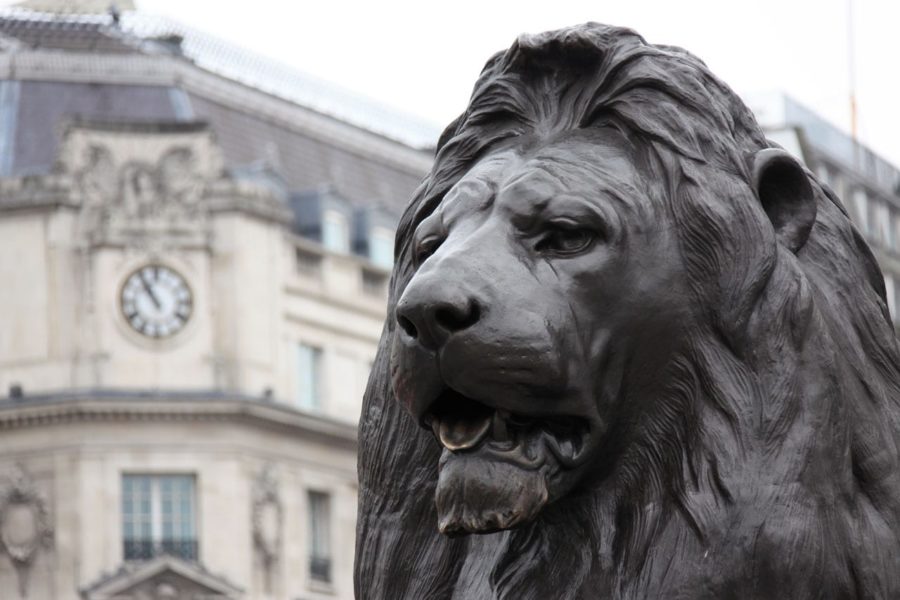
(462, 424)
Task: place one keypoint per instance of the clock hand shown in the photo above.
(150, 291)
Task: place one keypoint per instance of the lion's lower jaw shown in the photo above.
(477, 493)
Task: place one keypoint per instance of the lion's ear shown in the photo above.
(786, 195)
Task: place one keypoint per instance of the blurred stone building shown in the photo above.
(868, 185)
(194, 251)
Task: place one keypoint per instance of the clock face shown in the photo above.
(156, 301)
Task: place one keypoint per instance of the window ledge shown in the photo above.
(322, 587)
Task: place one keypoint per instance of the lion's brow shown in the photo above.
(458, 202)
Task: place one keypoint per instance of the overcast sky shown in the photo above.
(423, 57)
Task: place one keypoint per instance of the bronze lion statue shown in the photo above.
(637, 346)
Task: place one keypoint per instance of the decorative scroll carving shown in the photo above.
(138, 191)
(24, 524)
(267, 517)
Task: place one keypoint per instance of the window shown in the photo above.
(309, 367)
(381, 247)
(335, 232)
(307, 263)
(374, 283)
(895, 217)
(892, 299)
(319, 536)
(883, 224)
(839, 185)
(824, 174)
(891, 294)
(861, 204)
(158, 516)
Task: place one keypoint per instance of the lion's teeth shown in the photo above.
(500, 433)
(461, 434)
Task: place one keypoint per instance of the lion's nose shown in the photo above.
(431, 314)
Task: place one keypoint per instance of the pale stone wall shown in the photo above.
(78, 466)
(64, 339)
(61, 322)
(25, 337)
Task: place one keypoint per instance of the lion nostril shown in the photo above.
(430, 315)
(408, 327)
(456, 319)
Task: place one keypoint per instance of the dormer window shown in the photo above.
(335, 232)
(381, 247)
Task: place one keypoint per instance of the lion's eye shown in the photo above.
(426, 248)
(565, 240)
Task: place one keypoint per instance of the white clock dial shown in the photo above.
(156, 301)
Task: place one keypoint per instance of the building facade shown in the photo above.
(868, 185)
(194, 253)
(194, 268)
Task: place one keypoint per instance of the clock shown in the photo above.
(156, 301)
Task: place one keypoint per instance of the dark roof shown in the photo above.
(146, 34)
(33, 113)
(43, 107)
(305, 162)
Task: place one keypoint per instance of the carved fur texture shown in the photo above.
(766, 465)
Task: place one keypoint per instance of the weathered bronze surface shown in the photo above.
(632, 342)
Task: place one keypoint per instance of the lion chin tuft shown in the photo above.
(499, 469)
(477, 493)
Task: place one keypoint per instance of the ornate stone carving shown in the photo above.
(179, 179)
(267, 517)
(24, 523)
(143, 186)
(140, 192)
(98, 176)
(149, 187)
(139, 197)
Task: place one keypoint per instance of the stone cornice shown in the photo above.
(130, 407)
(141, 69)
(224, 195)
(38, 191)
(130, 574)
(229, 195)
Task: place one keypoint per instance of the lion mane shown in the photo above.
(768, 470)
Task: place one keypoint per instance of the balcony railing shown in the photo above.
(147, 549)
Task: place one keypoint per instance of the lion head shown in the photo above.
(629, 330)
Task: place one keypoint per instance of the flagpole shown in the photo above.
(851, 74)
